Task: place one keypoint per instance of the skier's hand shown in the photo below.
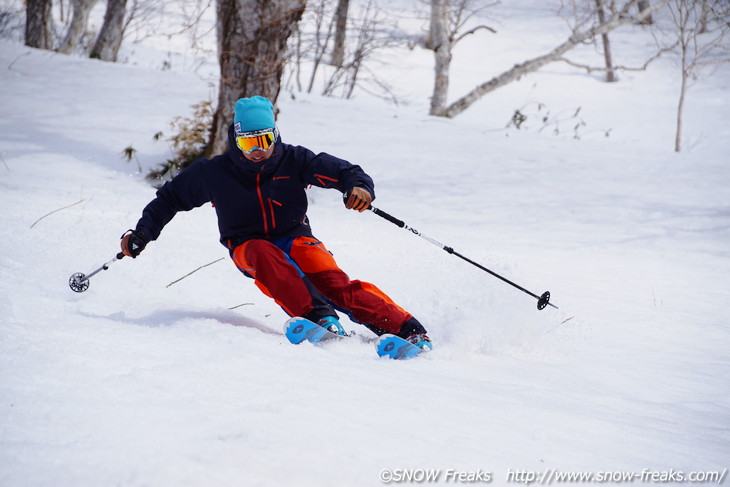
(133, 243)
(359, 199)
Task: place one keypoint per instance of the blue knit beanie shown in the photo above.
(255, 113)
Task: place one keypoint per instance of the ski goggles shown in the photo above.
(256, 140)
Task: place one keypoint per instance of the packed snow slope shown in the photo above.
(142, 382)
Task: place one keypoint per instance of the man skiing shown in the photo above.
(258, 190)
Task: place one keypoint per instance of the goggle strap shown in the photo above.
(254, 133)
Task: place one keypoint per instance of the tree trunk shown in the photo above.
(81, 10)
(338, 52)
(680, 113)
(39, 24)
(610, 76)
(441, 45)
(252, 39)
(107, 44)
(437, 25)
(686, 41)
(518, 70)
(643, 5)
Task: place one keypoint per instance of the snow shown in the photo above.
(138, 382)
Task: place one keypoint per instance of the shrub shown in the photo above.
(189, 142)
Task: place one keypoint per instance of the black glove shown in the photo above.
(133, 243)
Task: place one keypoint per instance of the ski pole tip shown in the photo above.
(544, 300)
(78, 282)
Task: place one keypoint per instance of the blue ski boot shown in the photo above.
(421, 340)
(330, 323)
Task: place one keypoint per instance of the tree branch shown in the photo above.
(472, 31)
(618, 19)
(54, 211)
(193, 272)
(591, 69)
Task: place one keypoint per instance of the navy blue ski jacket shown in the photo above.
(252, 200)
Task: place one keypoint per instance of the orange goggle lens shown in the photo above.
(260, 140)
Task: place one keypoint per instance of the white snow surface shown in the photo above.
(137, 383)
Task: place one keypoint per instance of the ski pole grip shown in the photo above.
(120, 255)
(388, 217)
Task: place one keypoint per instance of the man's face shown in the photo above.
(258, 145)
(259, 155)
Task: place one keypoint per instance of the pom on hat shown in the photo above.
(255, 113)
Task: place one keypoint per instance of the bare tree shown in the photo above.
(448, 18)
(297, 54)
(252, 40)
(338, 50)
(581, 13)
(617, 19)
(371, 32)
(320, 15)
(143, 19)
(367, 42)
(438, 41)
(701, 43)
(110, 37)
(192, 13)
(81, 10)
(39, 24)
(610, 76)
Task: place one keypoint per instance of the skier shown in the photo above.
(257, 189)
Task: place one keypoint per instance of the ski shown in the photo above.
(299, 329)
(395, 347)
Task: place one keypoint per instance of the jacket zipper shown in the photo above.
(261, 204)
(271, 209)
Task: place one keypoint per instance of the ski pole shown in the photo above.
(542, 301)
(79, 282)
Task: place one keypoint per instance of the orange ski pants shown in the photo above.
(293, 271)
